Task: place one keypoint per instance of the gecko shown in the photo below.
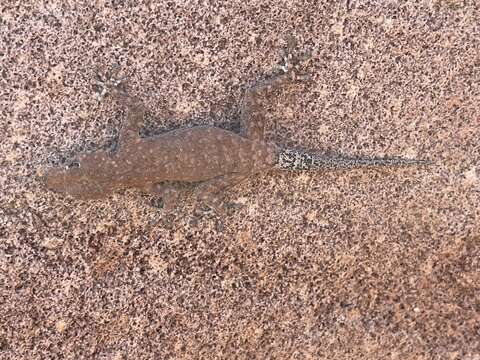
(209, 156)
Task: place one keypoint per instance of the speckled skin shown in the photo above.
(289, 159)
(215, 157)
(212, 156)
(191, 154)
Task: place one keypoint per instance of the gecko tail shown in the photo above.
(288, 159)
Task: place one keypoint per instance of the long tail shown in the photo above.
(297, 160)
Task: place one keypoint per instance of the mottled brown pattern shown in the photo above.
(207, 154)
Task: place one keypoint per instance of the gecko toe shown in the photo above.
(291, 61)
(110, 83)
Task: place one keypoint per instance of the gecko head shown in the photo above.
(84, 178)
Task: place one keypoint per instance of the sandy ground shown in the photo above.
(361, 264)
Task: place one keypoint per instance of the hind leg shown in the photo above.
(209, 192)
(169, 194)
(253, 114)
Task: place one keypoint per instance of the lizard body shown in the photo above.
(214, 157)
(195, 154)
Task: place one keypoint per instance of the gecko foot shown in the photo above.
(109, 82)
(211, 204)
(169, 196)
(215, 204)
(290, 63)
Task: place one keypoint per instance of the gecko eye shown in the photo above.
(73, 165)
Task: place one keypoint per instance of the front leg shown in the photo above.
(130, 130)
